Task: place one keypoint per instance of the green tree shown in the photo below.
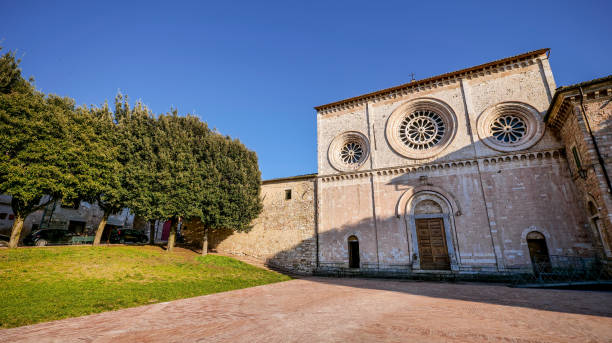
(42, 158)
(102, 138)
(231, 183)
(10, 75)
(181, 174)
(137, 129)
(49, 150)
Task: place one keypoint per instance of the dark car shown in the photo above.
(48, 236)
(128, 236)
(4, 240)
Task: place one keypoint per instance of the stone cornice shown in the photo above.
(459, 164)
(498, 66)
(561, 105)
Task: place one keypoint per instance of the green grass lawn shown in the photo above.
(42, 284)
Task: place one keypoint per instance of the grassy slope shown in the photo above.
(42, 284)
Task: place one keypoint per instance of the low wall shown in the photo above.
(284, 235)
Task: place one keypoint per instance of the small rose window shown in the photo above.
(351, 153)
(348, 151)
(510, 126)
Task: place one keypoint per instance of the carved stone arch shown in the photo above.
(350, 234)
(532, 229)
(595, 219)
(414, 204)
(400, 206)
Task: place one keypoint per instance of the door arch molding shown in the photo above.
(448, 208)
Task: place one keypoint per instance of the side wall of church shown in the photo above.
(591, 183)
(494, 198)
(284, 234)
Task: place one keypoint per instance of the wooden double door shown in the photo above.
(433, 250)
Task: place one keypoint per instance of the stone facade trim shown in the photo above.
(499, 66)
(432, 167)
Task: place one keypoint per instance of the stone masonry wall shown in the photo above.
(591, 184)
(284, 234)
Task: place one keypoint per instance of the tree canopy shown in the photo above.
(165, 167)
(49, 150)
(232, 183)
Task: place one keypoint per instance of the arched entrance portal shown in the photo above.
(538, 251)
(431, 236)
(353, 252)
(433, 210)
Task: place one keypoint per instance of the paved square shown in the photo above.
(342, 310)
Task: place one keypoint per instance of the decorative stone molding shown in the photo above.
(414, 87)
(510, 126)
(402, 207)
(421, 128)
(348, 151)
(524, 157)
(486, 163)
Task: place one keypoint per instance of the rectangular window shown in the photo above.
(287, 194)
(3, 215)
(577, 158)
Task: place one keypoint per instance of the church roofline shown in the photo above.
(290, 178)
(453, 74)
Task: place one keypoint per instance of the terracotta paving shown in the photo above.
(348, 310)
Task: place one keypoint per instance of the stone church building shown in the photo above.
(484, 169)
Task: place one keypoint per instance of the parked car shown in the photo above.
(4, 240)
(48, 236)
(128, 236)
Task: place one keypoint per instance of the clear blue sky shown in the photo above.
(255, 69)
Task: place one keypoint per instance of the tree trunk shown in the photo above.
(205, 242)
(172, 236)
(16, 231)
(100, 230)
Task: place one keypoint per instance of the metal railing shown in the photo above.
(558, 269)
(544, 270)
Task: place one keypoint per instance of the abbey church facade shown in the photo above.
(485, 169)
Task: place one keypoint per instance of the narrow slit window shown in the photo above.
(287, 194)
(577, 158)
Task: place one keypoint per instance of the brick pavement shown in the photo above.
(341, 310)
